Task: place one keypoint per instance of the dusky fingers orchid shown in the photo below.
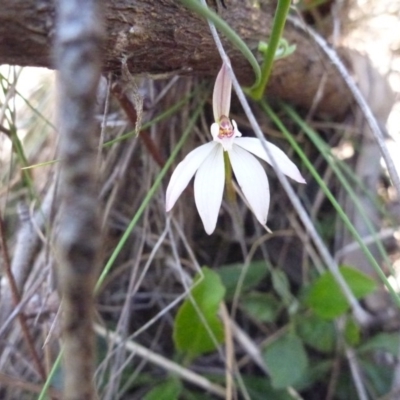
(207, 164)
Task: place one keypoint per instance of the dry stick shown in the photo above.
(131, 113)
(104, 122)
(28, 294)
(14, 383)
(356, 373)
(78, 58)
(162, 362)
(230, 354)
(27, 245)
(16, 300)
(359, 313)
(395, 387)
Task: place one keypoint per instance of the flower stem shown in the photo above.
(282, 9)
(230, 190)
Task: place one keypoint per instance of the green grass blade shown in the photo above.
(332, 199)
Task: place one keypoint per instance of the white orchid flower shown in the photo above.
(207, 163)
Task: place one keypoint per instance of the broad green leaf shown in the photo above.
(197, 328)
(325, 297)
(317, 333)
(261, 306)
(168, 390)
(389, 342)
(286, 360)
(230, 276)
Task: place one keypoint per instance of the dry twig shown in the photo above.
(16, 299)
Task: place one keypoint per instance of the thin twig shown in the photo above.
(131, 113)
(162, 362)
(26, 247)
(367, 240)
(28, 294)
(356, 373)
(230, 353)
(26, 386)
(104, 122)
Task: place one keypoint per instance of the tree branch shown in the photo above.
(159, 37)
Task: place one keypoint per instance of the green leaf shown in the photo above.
(317, 333)
(280, 282)
(259, 388)
(345, 389)
(197, 328)
(168, 390)
(379, 377)
(230, 276)
(325, 297)
(316, 372)
(389, 342)
(286, 360)
(261, 306)
(352, 332)
(193, 395)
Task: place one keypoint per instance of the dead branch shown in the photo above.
(161, 37)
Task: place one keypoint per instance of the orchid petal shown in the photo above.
(209, 188)
(252, 180)
(235, 129)
(222, 94)
(215, 131)
(254, 145)
(184, 172)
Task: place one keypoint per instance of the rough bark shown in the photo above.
(162, 37)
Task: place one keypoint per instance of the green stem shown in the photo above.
(219, 23)
(19, 150)
(230, 191)
(282, 10)
(51, 375)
